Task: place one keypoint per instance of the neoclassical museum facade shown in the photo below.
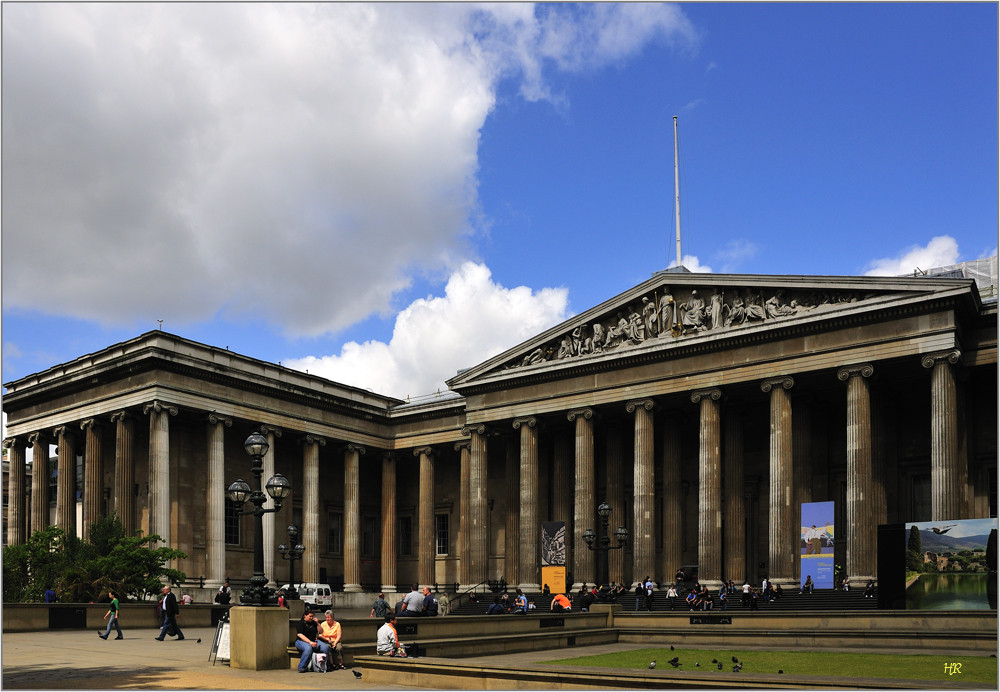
(704, 408)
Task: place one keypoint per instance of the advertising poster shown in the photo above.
(816, 554)
(951, 565)
(553, 543)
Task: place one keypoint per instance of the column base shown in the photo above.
(352, 588)
(388, 588)
(529, 588)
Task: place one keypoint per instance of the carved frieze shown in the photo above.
(666, 314)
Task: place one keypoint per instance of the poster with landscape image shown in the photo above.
(951, 565)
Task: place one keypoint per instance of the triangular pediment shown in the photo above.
(672, 310)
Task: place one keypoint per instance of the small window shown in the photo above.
(441, 533)
(405, 536)
(335, 533)
(232, 523)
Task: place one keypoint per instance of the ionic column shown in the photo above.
(802, 463)
(783, 537)
(268, 520)
(643, 492)
(734, 533)
(478, 540)
(310, 506)
(946, 490)
(614, 495)
(528, 571)
(159, 469)
(512, 520)
(583, 492)
(426, 548)
(709, 487)
(388, 566)
(16, 524)
(352, 517)
(93, 466)
(39, 481)
(860, 517)
(124, 491)
(464, 456)
(673, 524)
(65, 480)
(562, 469)
(215, 502)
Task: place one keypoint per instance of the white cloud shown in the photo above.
(297, 162)
(691, 263)
(474, 320)
(941, 251)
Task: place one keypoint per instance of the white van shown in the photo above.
(314, 594)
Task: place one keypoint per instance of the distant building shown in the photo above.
(704, 408)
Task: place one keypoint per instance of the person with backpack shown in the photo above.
(113, 613)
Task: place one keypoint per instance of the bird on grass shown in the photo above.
(674, 662)
(738, 667)
(357, 674)
(652, 664)
(671, 647)
(697, 665)
(780, 671)
(734, 660)
(720, 665)
(715, 660)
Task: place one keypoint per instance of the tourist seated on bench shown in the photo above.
(387, 641)
(307, 640)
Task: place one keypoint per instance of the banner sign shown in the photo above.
(553, 543)
(816, 554)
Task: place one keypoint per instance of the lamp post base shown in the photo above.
(258, 638)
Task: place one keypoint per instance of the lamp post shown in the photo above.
(292, 554)
(278, 487)
(604, 542)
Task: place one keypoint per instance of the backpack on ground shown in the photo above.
(318, 662)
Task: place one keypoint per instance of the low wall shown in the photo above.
(34, 617)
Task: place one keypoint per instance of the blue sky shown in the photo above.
(382, 194)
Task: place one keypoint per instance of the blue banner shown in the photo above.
(816, 558)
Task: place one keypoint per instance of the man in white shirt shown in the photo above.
(413, 603)
(387, 641)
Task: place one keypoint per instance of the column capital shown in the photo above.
(62, 431)
(265, 429)
(217, 418)
(463, 444)
(158, 406)
(785, 382)
(530, 421)
(478, 429)
(647, 404)
(417, 451)
(585, 413)
(713, 393)
(90, 423)
(863, 369)
(119, 416)
(352, 447)
(37, 437)
(12, 441)
(314, 440)
(951, 356)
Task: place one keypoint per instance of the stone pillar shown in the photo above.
(672, 528)
(614, 467)
(584, 508)
(709, 487)
(65, 480)
(802, 464)
(39, 481)
(464, 457)
(16, 520)
(269, 519)
(862, 555)
(878, 409)
(530, 529)
(478, 540)
(643, 492)
(734, 523)
(124, 490)
(946, 490)
(159, 469)
(310, 507)
(512, 520)
(562, 472)
(783, 537)
(389, 547)
(93, 467)
(426, 540)
(352, 517)
(215, 502)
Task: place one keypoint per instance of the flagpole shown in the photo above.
(677, 194)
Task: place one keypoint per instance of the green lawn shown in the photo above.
(973, 669)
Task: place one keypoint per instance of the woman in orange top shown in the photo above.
(329, 631)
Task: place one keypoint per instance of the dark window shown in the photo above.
(920, 497)
(405, 536)
(441, 533)
(335, 533)
(993, 492)
(369, 536)
(232, 523)
(53, 480)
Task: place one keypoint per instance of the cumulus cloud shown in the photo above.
(297, 162)
(474, 320)
(941, 251)
(692, 263)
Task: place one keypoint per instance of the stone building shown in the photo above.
(704, 408)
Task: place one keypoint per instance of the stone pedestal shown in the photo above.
(295, 609)
(258, 638)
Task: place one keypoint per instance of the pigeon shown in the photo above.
(734, 660)
(720, 665)
(697, 665)
(714, 660)
(674, 662)
(738, 667)
(652, 664)
(198, 642)
(357, 674)
(780, 671)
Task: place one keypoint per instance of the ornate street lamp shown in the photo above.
(604, 543)
(278, 487)
(291, 554)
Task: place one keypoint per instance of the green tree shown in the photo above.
(991, 551)
(914, 551)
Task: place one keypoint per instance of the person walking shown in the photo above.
(379, 608)
(170, 611)
(672, 595)
(113, 614)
